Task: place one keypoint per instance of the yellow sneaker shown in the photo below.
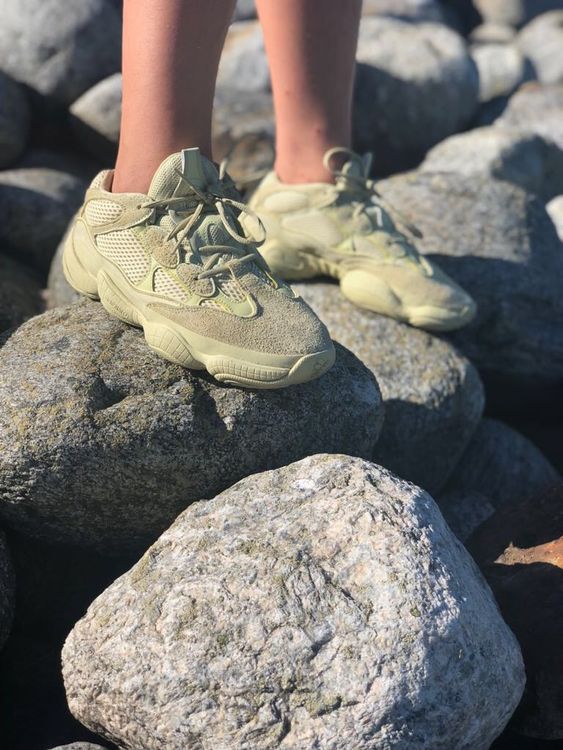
(176, 263)
(345, 230)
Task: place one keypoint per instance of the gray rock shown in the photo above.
(6, 591)
(502, 465)
(538, 109)
(499, 243)
(501, 67)
(542, 42)
(244, 65)
(59, 47)
(61, 161)
(325, 604)
(514, 12)
(20, 293)
(59, 292)
(415, 86)
(244, 10)
(555, 210)
(96, 118)
(37, 205)
(465, 511)
(432, 395)
(492, 33)
(103, 443)
(413, 10)
(14, 121)
(79, 746)
(510, 154)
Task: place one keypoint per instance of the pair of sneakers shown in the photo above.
(182, 263)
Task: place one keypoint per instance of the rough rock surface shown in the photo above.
(412, 10)
(536, 108)
(406, 68)
(79, 746)
(432, 395)
(510, 154)
(59, 291)
(59, 47)
(6, 591)
(542, 42)
(465, 511)
(20, 293)
(14, 121)
(37, 205)
(520, 551)
(96, 117)
(514, 12)
(297, 607)
(243, 63)
(501, 67)
(499, 243)
(502, 465)
(104, 443)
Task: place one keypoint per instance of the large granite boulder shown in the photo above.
(432, 395)
(502, 465)
(14, 120)
(542, 42)
(37, 205)
(510, 154)
(59, 47)
(79, 746)
(520, 550)
(406, 69)
(325, 604)
(514, 12)
(20, 293)
(103, 443)
(499, 243)
(96, 119)
(6, 591)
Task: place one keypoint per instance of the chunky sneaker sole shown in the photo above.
(93, 275)
(362, 287)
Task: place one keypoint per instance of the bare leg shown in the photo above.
(171, 51)
(311, 47)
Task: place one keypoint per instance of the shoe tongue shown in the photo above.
(189, 162)
(358, 166)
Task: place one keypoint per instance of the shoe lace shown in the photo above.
(208, 201)
(364, 190)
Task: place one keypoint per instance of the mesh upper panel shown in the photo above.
(232, 290)
(125, 250)
(102, 212)
(163, 284)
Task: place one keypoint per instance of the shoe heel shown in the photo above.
(79, 261)
(115, 302)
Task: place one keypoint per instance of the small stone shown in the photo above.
(415, 86)
(96, 119)
(432, 395)
(536, 108)
(6, 592)
(498, 242)
(514, 13)
(326, 599)
(245, 9)
(509, 154)
(555, 210)
(14, 121)
(542, 42)
(20, 293)
(37, 205)
(520, 550)
(502, 465)
(501, 67)
(59, 47)
(103, 443)
(492, 33)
